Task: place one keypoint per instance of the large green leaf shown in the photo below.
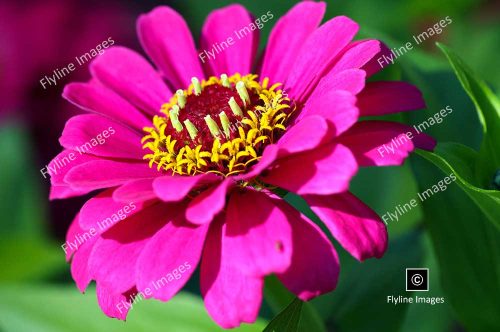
(459, 159)
(278, 298)
(61, 309)
(288, 319)
(467, 247)
(360, 301)
(488, 109)
(29, 258)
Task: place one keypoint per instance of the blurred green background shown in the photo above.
(447, 233)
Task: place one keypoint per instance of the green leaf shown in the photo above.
(488, 110)
(277, 297)
(467, 247)
(459, 159)
(359, 303)
(34, 259)
(61, 309)
(288, 319)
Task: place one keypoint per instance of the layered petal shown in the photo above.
(351, 80)
(315, 264)
(170, 258)
(175, 188)
(101, 211)
(336, 106)
(238, 54)
(357, 227)
(63, 163)
(379, 98)
(381, 143)
(203, 208)
(96, 98)
(317, 55)
(305, 135)
(132, 77)
(356, 55)
(115, 305)
(287, 38)
(326, 170)
(166, 38)
(231, 297)
(135, 191)
(96, 135)
(100, 174)
(113, 260)
(258, 236)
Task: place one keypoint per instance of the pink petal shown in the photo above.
(305, 135)
(173, 188)
(112, 304)
(170, 258)
(326, 170)
(220, 27)
(381, 143)
(287, 38)
(269, 155)
(100, 174)
(62, 192)
(315, 264)
(317, 54)
(258, 236)
(338, 107)
(113, 260)
(379, 98)
(96, 98)
(79, 244)
(96, 135)
(351, 80)
(102, 211)
(377, 63)
(80, 271)
(357, 227)
(135, 191)
(356, 55)
(73, 231)
(203, 208)
(230, 296)
(132, 77)
(63, 163)
(166, 38)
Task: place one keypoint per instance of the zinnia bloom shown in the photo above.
(190, 156)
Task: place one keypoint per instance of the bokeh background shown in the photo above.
(447, 233)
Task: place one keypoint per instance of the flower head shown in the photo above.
(191, 155)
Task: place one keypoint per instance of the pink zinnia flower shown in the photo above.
(190, 155)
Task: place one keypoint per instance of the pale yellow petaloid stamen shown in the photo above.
(196, 86)
(225, 80)
(242, 91)
(226, 125)
(235, 107)
(181, 98)
(174, 118)
(193, 132)
(212, 125)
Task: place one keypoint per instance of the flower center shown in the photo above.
(220, 125)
